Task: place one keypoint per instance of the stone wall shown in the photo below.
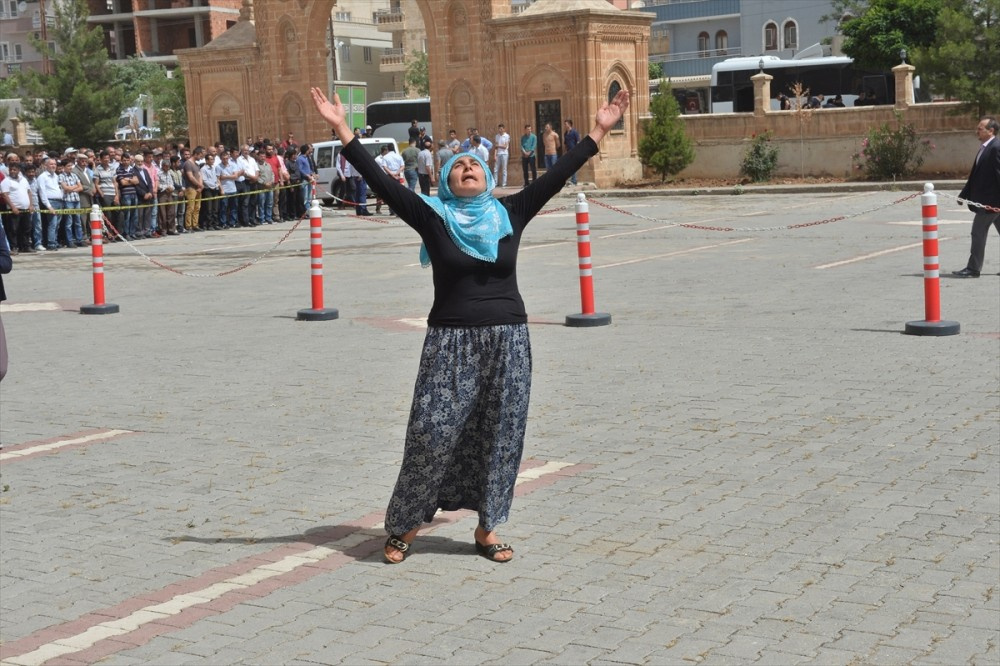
(822, 142)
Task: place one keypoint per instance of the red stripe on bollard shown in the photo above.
(932, 323)
(317, 312)
(97, 261)
(587, 317)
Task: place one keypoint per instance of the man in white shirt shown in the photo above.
(209, 194)
(14, 190)
(392, 164)
(51, 200)
(479, 149)
(502, 147)
(247, 163)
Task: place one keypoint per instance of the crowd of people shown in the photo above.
(155, 191)
(418, 165)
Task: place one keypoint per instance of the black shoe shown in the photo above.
(966, 273)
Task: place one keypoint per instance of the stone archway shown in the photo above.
(483, 64)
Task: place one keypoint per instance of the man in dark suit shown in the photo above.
(983, 187)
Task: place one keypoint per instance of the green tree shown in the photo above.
(139, 77)
(962, 61)
(875, 38)
(664, 147)
(78, 102)
(417, 78)
(655, 71)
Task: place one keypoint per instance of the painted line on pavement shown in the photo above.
(873, 255)
(30, 307)
(137, 621)
(56, 444)
(678, 253)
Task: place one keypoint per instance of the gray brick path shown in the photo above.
(779, 475)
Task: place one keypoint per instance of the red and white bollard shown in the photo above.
(317, 312)
(932, 323)
(587, 317)
(97, 260)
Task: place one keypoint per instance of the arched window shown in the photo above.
(791, 35)
(770, 36)
(613, 90)
(721, 42)
(703, 44)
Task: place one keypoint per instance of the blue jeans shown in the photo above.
(129, 215)
(265, 205)
(411, 179)
(228, 211)
(360, 196)
(307, 194)
(36, 229)
(74, 226)
(550, 161)
(55, 219)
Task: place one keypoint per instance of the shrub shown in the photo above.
(891, 154)
(760, 159)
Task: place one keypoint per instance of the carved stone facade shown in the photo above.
(557, 60)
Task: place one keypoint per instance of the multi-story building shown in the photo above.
(154, 29)
(689, 36)
(359, 45)
(405, 25)
(20, 20)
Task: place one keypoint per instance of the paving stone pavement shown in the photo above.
(751, 464)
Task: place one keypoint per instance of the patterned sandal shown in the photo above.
(397, 543)
(490, 551)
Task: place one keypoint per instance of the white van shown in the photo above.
(326, 154)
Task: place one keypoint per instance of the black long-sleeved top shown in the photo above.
(469, 291)
(5, 261)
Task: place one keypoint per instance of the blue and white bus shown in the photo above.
(732, 89)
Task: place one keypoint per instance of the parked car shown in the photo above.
(326, 154)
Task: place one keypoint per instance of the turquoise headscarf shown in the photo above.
(476, 224)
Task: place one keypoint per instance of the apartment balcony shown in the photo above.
(392, 60)
(389, 20)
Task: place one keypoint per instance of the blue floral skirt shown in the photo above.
(466, 431)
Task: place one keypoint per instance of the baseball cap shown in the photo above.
(69, 151)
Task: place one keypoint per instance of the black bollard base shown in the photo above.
(324, 314)
(104, 308)
(935, 328)
(588, 320)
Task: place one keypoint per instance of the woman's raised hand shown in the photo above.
(333, 113)
(609, 114)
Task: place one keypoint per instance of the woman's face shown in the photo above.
(467, 178)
